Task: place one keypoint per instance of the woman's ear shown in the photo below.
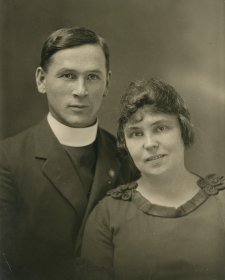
(40, 79)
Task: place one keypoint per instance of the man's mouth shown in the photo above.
(78, 106)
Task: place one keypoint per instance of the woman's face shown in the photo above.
(154, 141)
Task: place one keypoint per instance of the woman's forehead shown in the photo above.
(149, 112)
(140, 114)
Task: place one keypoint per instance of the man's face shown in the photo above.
(75, 83)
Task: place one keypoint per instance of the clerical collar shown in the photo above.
(74, 137)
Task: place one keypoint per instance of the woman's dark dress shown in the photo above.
(131, 238)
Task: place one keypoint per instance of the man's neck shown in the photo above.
(74, 137)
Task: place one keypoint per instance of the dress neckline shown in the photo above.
(170, 212)
(208, 186)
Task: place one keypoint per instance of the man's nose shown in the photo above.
(151, 142)
(79, 88)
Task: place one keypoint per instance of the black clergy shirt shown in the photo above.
(84, 160)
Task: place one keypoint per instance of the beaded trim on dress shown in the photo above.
(210, 185)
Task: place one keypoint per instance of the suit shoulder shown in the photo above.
(19, 137)
(17, 145)
(108, 135)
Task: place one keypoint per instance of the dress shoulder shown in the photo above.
(123, 192)
(212, 184)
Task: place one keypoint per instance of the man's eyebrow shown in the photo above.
(94, 71)
(65, 69)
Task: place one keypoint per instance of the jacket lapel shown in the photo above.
(106, 170)
(106, 173)
(58, 168)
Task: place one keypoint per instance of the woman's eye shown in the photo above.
(162, 128)
(136, 134)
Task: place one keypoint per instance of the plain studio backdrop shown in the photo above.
(179, 41)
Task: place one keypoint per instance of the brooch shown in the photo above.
(123, 192)
(212, 184)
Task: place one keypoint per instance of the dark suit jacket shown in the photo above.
(42, 202)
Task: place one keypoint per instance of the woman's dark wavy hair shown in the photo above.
(66, 38)
(163, 98)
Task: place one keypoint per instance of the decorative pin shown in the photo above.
(111, 173)
(212, 184)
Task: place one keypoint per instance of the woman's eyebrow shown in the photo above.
(161, 121)
(133, 127)
(136, 126)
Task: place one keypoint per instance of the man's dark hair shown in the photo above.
(66, 38)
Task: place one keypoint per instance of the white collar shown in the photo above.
(74, 137)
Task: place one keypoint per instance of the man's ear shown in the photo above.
(40, 80)
(108, 81)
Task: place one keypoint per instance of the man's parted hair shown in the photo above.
(66, 38)
(163, 98)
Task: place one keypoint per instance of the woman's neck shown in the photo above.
(172, 189)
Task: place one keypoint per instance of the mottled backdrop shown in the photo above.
(180, 41)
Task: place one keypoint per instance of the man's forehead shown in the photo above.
(89, 56)
(90, 50)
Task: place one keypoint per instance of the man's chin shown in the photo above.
(79, 123)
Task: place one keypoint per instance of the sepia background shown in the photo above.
(179, 41)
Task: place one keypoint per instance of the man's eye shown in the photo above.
(93, 77)
(68, 76)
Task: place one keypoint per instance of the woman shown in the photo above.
(170, 223)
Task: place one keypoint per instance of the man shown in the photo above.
(53, 174)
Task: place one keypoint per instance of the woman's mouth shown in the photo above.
(155, 157)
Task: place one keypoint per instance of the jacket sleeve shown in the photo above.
(7, 214)
(97, 247)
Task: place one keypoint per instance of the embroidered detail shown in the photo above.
(212, 184)
(123, 192)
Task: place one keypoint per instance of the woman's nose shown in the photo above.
(79, 88)
(150, 142)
